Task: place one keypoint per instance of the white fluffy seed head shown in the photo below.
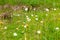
(14, 34)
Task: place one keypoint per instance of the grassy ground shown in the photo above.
(41, 24)
(47, 23)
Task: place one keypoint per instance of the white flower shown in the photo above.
(32, 15)
(34, 9)
(5, 27)
(57, 28)
(15, 34)
(26, 9)
(54, 9)
(25, 26)
(41, 21)
(36, 18)
(17, 28)
(29, 20)
(27, 16)
(38, 31)
(36, 15)
(46, 14)
(47, 9)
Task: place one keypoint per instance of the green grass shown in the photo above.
(47, 28)
(48, 31)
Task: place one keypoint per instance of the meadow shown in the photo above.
(36, 20)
